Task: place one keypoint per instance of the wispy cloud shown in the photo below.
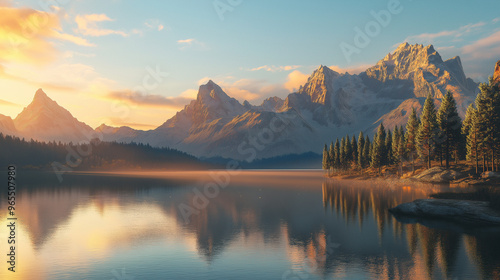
(88, 25)
(151, 100)
(189, 43)
(430, 38)
(488, 47)
(7, 103)
(154, 24)
(273, 68)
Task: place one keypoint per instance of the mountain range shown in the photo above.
(327, 106)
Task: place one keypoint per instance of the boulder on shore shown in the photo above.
(490, 174)
(461, 211)
(438, 175)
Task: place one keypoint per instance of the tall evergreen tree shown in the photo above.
(366, 152)
(348, 151)
(361, 146)
(450, 125)
(326, 159)
(427, 131)
(337, 154)
(402, 144)
(488, 113)
(411, 136)
(467, 123)
(378, 148)
(331, 157)
(354, 147)
(395, 145)
(343, 156)
(388, 157)
(471, 127)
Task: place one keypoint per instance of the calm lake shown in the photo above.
(291, 224)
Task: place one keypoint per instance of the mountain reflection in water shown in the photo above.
(264, 225)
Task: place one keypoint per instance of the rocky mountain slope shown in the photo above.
(45, 120)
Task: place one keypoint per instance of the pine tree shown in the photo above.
(427, 131)
(473, 141)
(366, 152)
(402, 145)
(411, 136)
(467, 123)
(450, 125)
(361, 146)
(388, 157)
(337, 154)
(348, 151)
(488, 113)
(331, 157)
(326, 159)
(378, 148)
(354, 147)
(395, 145)
(343, 157)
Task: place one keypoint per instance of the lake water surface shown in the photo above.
(262, 225)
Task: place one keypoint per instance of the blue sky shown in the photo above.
(101, 50)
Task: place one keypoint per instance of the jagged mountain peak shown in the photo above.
(43, 100)
(319, 83)
(211, 90)
(40, 94)
(323, 72)
(417, 70)
(412, 56)
(44, 119)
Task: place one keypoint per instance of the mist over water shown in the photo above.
(262, 225)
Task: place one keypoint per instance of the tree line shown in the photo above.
(94, 155)
(437, 134)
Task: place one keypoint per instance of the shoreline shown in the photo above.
(435, 175)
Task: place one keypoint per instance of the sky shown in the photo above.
(137, 63)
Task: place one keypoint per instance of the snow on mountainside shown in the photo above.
(45, 120)
(415, 71)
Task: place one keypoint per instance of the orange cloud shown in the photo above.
(7, 103)
(151, 100)
(87, 25)
(295, 80)
(484, 48)
(26, 35)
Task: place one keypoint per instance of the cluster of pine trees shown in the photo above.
(437, 134)
(97, 154)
